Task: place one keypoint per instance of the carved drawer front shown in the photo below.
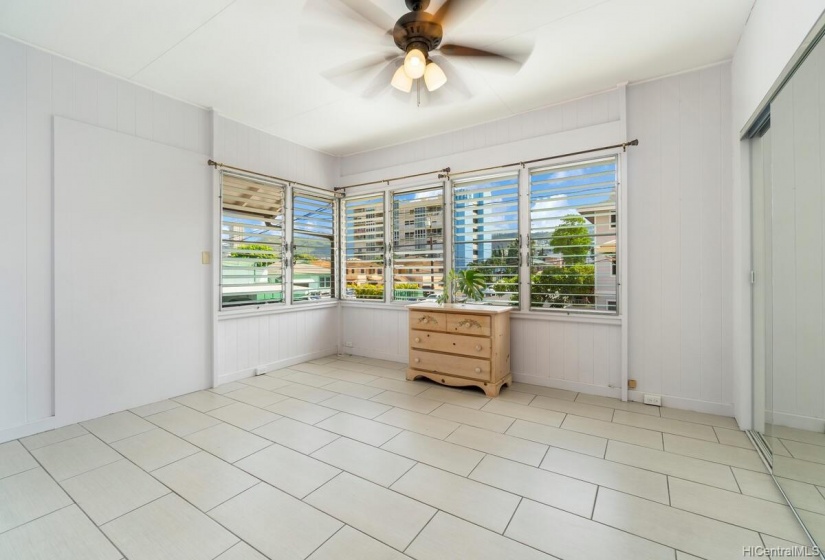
(460, 366)
(423, 320)
(451, 343)
(478, 325)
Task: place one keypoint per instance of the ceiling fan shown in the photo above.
(418, 34)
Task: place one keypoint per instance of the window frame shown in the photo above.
(614, 218)
(382, 249)
(391, 194)
(295, 192)
(283, 253)
(523, 210)
(454, 183)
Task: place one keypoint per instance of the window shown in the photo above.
(252, 229)
(573, 236)
(313, 247)
(418, 260)
(364, 251)
(485, 225)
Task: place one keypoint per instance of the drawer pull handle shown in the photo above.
(478, 347)
(417, 360)
(469, 323)
(417, 339)
(478, 370)
(427, 319)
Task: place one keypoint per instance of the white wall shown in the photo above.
(132, 297)
(34, 87)
(680, 249)
(773, 34)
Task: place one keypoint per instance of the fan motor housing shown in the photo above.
(417, 27)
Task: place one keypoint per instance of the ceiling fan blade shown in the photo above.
(508, 61)
(371, 13)
(351, 73)
(452, 12)
(382, 79)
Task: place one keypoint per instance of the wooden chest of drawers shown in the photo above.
(460, 345)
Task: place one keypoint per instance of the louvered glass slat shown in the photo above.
(364, 247)
(485, 234)
(418, 244)
(313, 237)
(251, 242)
(573, 225)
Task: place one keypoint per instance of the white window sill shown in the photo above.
(272, 309)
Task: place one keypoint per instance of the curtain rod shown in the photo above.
(445, 173)
(217, 164)
(387, 181)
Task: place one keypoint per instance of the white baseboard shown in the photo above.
(225, 378)
(568, 385)
(25, 430)
(720, 409)
(672, 402)
(799, 422)
(377, 354)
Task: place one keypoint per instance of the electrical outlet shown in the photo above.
(348, 344)
(655, 400)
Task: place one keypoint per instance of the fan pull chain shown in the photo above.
(418, 93)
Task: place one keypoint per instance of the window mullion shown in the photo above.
(389, 282)
(524, 239)
(289, 245)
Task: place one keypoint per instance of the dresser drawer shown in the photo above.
(451, 343)
(472, 368)
(426, 321)
(478, 325)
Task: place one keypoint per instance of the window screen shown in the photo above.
(313, 247)
(252, 225)
(418, 244)
(364, 247)
(485, 238)
(573, 225)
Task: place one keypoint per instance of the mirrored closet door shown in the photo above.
(788, 236)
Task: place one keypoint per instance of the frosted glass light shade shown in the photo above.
(401, 81)
(414, 63)
(434, 76)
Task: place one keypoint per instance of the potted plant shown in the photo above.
(469, 283)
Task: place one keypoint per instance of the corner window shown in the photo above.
(313, 247)
(252, 240)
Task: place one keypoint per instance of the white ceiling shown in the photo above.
(260, 62)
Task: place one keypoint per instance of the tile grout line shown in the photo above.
(512, 515)
(83, 511)
(9, 530)
(595, 499)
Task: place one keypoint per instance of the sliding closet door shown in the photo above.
(762, 284)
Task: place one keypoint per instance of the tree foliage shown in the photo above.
(255, 251)
(572, 239)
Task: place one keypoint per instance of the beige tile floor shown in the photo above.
(341, 458)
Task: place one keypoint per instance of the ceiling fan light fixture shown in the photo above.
(434, 76)
(415, 62)
(401, 81)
